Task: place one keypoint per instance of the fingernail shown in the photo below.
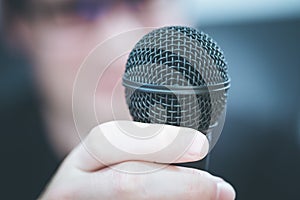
(225, 191)
(199, 147)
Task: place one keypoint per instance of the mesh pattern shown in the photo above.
(176, 56)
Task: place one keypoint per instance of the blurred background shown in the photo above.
(259, 150)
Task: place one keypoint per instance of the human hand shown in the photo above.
(95, 169)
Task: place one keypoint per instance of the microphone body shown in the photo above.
(178, 76)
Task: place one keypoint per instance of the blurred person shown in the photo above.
(56, 36)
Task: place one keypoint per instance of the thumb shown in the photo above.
(119, 141)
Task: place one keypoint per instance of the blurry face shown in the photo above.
(61, 33)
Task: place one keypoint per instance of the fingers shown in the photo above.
(118, 141)
(175, 182)
(171, 182)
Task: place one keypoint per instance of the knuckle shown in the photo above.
(212, 192)
(127, 185)
(201, 185)
(208, 189)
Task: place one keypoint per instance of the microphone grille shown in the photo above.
(176, 75)
(195, 56)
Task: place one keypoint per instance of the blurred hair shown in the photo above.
(10, 9)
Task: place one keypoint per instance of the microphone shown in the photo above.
(178, 76)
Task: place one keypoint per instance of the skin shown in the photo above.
(57, 47)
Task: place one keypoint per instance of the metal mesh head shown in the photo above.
(176, 75)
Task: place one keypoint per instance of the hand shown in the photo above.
(123, 175)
